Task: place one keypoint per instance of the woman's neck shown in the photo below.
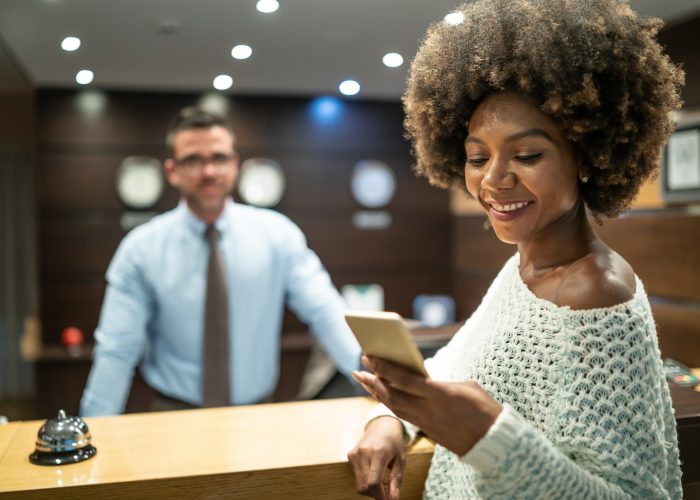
(566, 240)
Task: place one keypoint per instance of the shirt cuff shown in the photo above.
(410, 431)
(497, 444)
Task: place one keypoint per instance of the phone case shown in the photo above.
(384, 335)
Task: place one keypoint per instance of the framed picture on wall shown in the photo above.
(680, 176)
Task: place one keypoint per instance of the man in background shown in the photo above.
(196, 295)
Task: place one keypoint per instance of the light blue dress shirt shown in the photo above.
(153, 310)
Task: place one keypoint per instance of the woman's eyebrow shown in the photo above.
(537, 132)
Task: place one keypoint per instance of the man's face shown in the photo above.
(203, 168)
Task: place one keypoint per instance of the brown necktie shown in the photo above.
(215, 377)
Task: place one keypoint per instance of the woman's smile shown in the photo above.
(507, 211)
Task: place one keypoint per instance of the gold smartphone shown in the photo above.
(384, 335)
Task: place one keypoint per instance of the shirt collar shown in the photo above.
(197, 225)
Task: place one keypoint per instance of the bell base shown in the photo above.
(62, 458)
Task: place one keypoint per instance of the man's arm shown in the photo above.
(120, 336)
(312, 296)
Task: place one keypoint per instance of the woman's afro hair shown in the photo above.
(593, 66)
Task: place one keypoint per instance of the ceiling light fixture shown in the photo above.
(267, 6)
(454, 18)
(223, 82)
(241, 52)
(392, 60)
(70, 43)
(349, 87)
(84, 76)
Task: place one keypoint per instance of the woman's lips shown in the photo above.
(508, 211)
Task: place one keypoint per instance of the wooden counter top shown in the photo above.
(7, 436)
(282, 450)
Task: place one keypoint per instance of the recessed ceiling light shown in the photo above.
(241, 52)
(70, 43)
(392, 60)
(91, 102)
(223, 82)
(215, 102)
(267, 6)
(349, 87)
(454, 17)
(84, 76)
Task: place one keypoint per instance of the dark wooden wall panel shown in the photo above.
(79, 152)
(679, 332)
(73, 246)
(17, 121)
(82, 182)
(71, 303)
(664, 249)
(477, 256)
(681, 42)
(420, 239)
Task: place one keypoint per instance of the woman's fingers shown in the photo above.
(400, 378)
(363, 379)
(372, 384)
(395, 476)
(403, 405)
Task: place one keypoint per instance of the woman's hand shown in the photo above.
(453, 414)
(378, 459)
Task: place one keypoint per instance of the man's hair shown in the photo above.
(194, 117)
(593, 66)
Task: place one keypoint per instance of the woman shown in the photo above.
(554, 388)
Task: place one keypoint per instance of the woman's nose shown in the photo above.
(497, 175)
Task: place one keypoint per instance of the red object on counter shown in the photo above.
(72, 336)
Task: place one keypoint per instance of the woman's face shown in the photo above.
(520, 167)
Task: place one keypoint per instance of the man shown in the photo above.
(208, 265)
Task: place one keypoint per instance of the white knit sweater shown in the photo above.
(587, 412)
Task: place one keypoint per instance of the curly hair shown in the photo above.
(593, 66)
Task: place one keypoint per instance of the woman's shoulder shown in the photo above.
(598, 280)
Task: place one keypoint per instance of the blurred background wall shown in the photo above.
(60, 149)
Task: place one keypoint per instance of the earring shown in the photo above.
(486, 225)
(584, 179)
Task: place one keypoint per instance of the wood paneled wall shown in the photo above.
(18, 287)
(79, 151)
(681, 42)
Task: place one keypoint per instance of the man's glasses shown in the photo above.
(197, 163)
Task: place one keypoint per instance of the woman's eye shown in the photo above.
(476, 162)
(529, 159)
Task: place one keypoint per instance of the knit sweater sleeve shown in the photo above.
(613, 431)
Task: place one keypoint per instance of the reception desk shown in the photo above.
(284, 450)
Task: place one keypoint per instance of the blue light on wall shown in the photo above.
(326, 109)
